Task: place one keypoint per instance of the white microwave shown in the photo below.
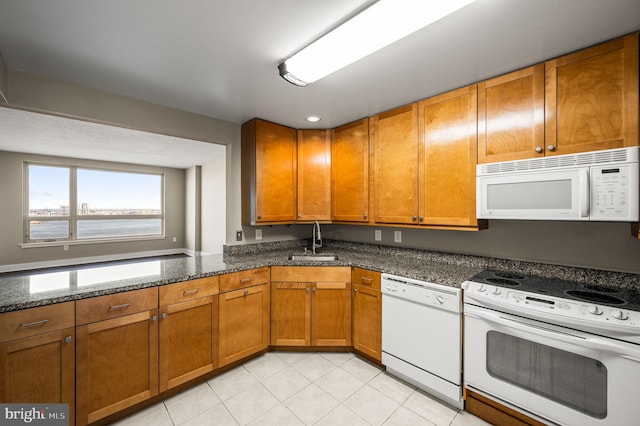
(596, 186)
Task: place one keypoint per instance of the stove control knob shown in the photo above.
(619, 315)
(594, 310)
(482, 288)
(496, 291)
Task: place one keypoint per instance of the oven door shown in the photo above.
(555, 373)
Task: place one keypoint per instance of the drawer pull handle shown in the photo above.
(246, 280)
(35, 323)
(116, 307)
(190, 292)
(365, 280)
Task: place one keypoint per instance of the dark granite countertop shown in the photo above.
(37, 288)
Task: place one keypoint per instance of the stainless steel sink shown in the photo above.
(314, 257)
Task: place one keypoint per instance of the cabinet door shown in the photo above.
(290, 314)
(269, 176)
(350, 172)
(314, 175)
(592, 98)
(188, 340)
(395, 165)
(511, 116)
(448, 160)
(367, 321)
(331, 314)
(244, 323)
(39, 370)
(116, 364)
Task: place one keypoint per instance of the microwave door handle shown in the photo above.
(583, 192)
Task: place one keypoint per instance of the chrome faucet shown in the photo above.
(316, 237)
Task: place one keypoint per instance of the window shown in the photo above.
(81, 204)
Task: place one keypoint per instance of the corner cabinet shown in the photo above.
(314, 175)
(244, 314)
(350, 172)
(592, 98)
(396, 150)
(367, 313)
(269, 173)
(188, 331)
(37, 356)
(448, 159)
(310, 306)
(116, 353)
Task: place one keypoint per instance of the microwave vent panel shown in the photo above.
(622, 155)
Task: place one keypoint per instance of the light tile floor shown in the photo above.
(295, 388)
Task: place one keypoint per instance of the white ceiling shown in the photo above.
(219, 58)
(33, 133)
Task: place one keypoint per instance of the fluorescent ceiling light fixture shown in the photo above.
(383, 23)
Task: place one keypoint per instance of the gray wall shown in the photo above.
(11, 175)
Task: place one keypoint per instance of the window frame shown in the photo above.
(74, 218)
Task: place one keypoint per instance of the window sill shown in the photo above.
(92, 241)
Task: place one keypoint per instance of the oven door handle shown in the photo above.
(590, 342)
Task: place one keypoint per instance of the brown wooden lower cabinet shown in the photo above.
(37, 356)
(367, 313)
(244, 322)
(305, 312)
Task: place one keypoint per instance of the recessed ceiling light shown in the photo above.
(313, 118)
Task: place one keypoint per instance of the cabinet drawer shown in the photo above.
(188, 290)
(115, 305)
(34, 321)
(314, 274)
(366, 278)
(243, 279)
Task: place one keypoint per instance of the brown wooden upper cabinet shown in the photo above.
(350, 172)
(314, 175)
(511, 116)
(448, 158)
(269, 173)
(395, 144)
(592, 98)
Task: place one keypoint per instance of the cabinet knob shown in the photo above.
(355, 290)
(420, 218)
(246, 292)
(259, 216)
(538, 149)
(164, 315)
(67, 339)
(154, 318)
(307, 289)
(299, 216)
(551, 148)
(313, 289)
(364, 216)
(413, 218)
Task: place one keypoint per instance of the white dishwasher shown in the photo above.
(422, 335)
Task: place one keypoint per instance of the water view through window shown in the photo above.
(105, 203)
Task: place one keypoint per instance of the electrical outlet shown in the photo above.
(378, 235)
(397, 236)
(258, 234)
(238, 235)
(65, 247)
(175, 239)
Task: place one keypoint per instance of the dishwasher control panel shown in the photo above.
(422, 292)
